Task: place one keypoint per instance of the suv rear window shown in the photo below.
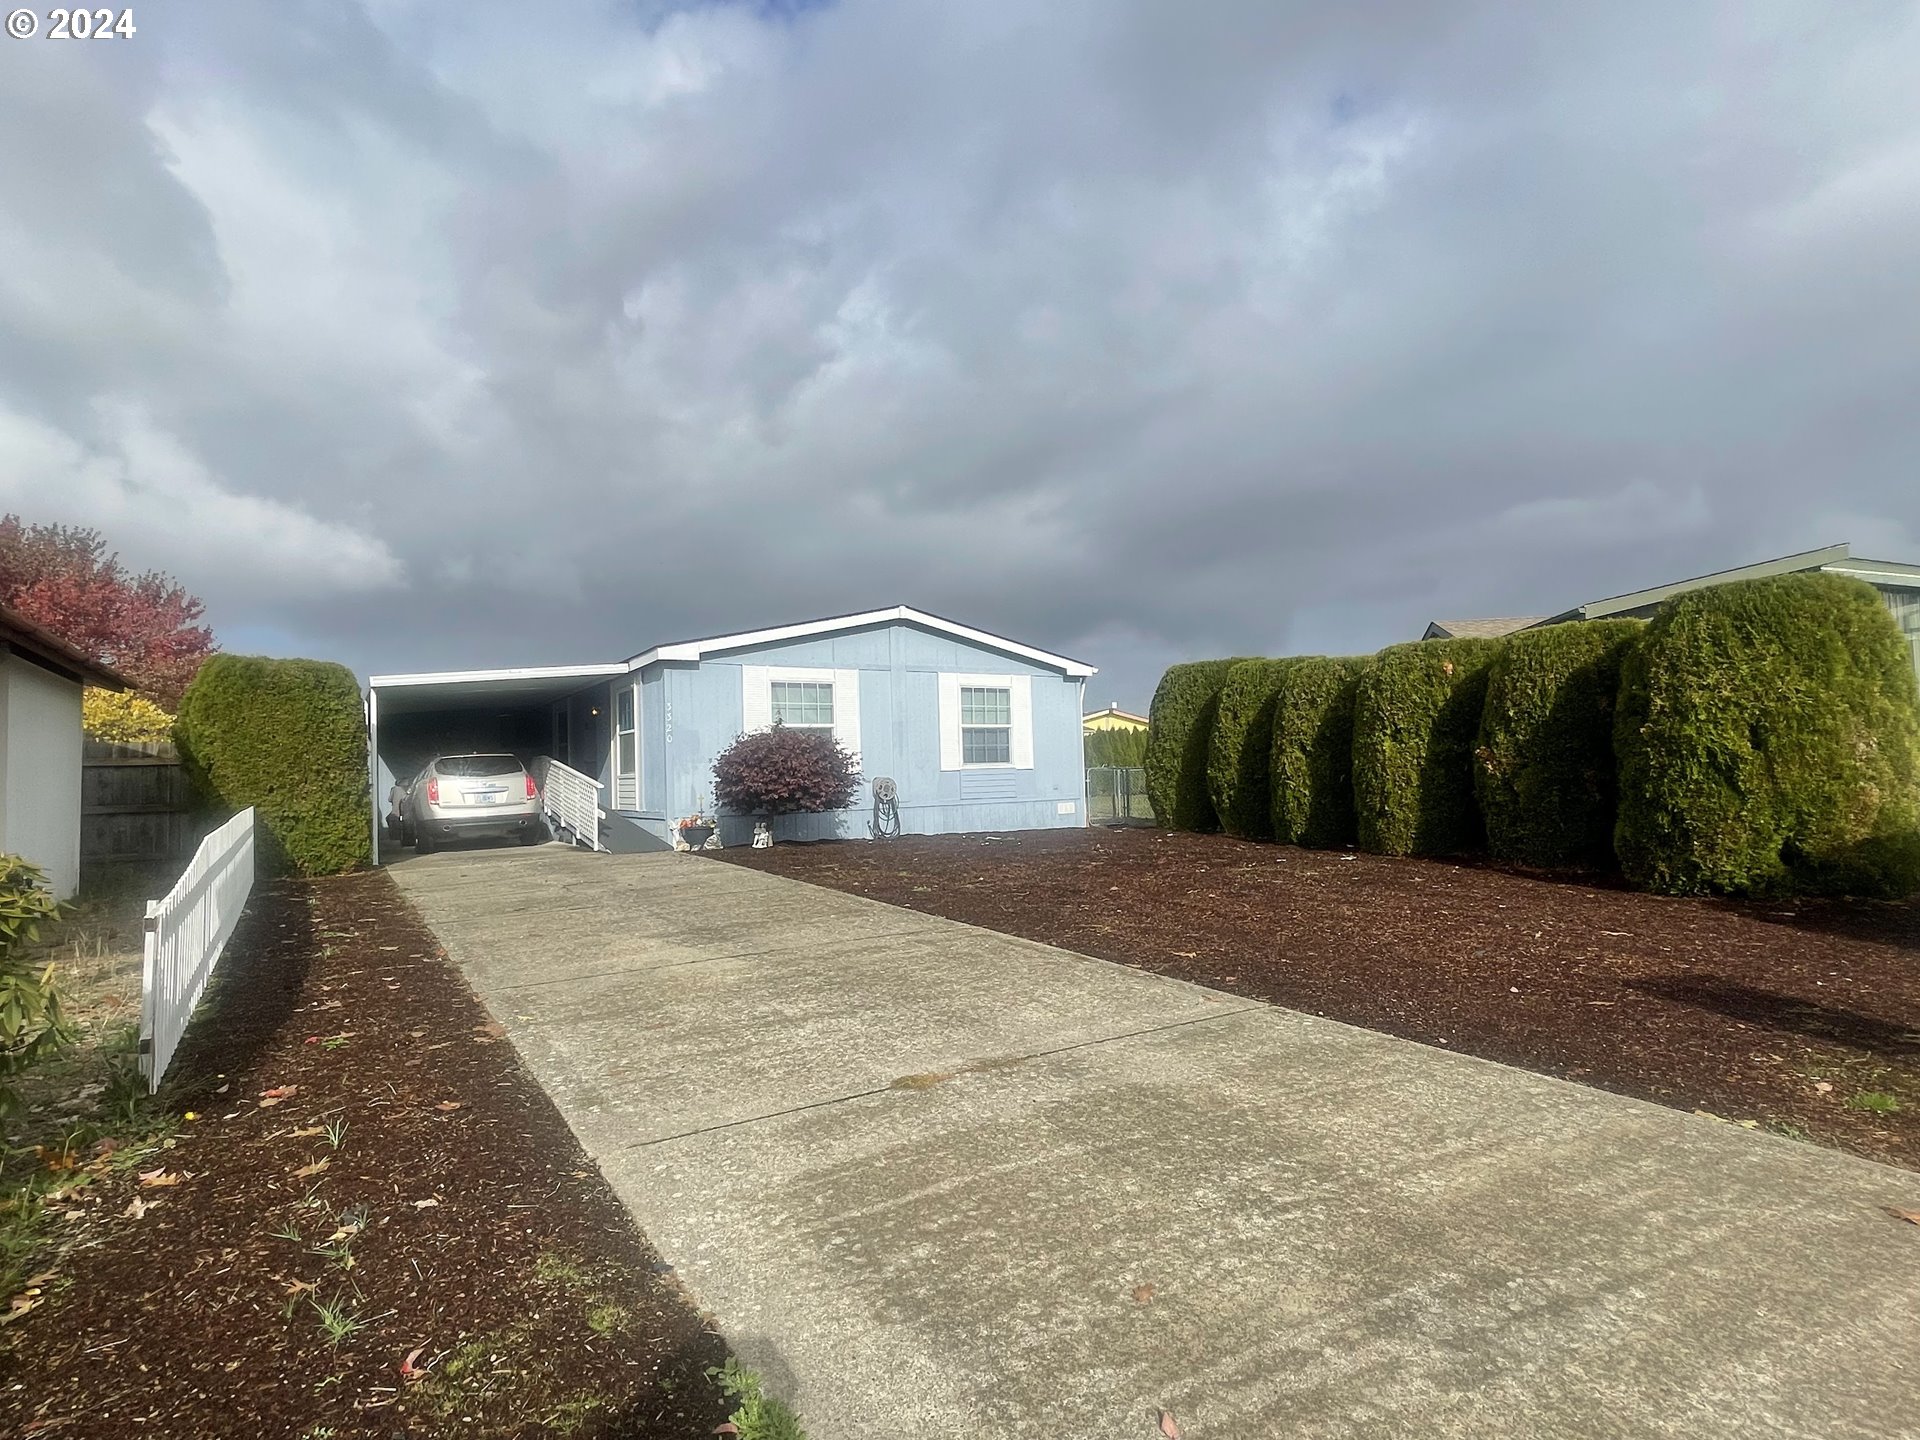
(474, 765)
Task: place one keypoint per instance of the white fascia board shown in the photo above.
(696, 649)
(464, 677)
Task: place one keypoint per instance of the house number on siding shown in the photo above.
(669, 722)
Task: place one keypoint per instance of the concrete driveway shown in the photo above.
(939, 1182)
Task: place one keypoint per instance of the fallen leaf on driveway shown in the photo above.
(153, 1179)
(281, 1092)
(1912, 1217)
(492, 1030)
(300, 1287)
(306, 1171)
(307, 1131)
(450, 1105)
(423, 1204)
(408, 1371)
(137, 1207)
(1142, 1294)
(1187, 954)
(1169, 1426)
(1824, 1087)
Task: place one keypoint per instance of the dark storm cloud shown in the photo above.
(427, 335)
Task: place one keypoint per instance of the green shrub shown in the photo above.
(1768, 739)
(30, 1020)
(1545, 771)
(1240, 751)
(286, 737)
(1179, 732)
(1124, 748)
(1312, 765)
(1416, 716)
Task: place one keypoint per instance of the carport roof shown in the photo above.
(454, 689)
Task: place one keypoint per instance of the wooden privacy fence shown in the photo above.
(135, 804)
(186, 932)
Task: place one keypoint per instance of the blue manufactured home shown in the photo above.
(976, 731)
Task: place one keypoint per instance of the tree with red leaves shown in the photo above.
(64, 579)
(784, 772)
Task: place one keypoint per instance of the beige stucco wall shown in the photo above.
(40, 744)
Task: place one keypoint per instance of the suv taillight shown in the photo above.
(433, 790)
(533, 791)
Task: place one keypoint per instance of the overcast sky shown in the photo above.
(435, 335)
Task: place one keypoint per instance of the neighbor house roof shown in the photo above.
(697, 649)
(1490, 628)
(1837, 559)
(47, 650)
(1117, 713)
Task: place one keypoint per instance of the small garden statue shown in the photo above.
(762, 835)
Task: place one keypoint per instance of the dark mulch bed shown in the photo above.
(491, 1251)
(1794, 1015)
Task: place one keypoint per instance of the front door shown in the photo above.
(626, 751)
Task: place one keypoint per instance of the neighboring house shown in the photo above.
(41, 741)
(1489, 629)
(976, 731)
(1112, 718)
(1897, 582)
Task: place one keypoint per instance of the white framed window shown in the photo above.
(805, 698)
(986, 725)
(986, 722)
(803, 704)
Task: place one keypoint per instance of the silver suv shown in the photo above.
(460, 797)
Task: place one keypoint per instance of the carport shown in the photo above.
(555, 712)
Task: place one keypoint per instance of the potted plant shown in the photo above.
(694, 831)
(783, 771)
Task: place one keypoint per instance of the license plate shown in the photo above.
(483, 797)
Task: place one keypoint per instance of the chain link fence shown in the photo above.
(1117, 794)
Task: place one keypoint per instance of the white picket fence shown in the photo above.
(186, 933)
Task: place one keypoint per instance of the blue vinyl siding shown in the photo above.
(690, 712)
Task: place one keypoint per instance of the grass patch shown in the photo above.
(1876, 1102)
(604, 1317)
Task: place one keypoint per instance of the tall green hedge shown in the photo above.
(1125, 748)
(1179, 734)
(287, 737)
(1416, 717)
(1768, 739)
(1545, 771)
(1312, 765)
(1241, 750)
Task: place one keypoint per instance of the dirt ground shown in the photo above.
(1801, 1016)
(351, 1213)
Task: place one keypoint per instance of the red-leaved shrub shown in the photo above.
(784, 772)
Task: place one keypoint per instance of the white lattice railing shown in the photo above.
(185, 933)
(571, 800)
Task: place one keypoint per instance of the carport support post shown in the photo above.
(373, 765)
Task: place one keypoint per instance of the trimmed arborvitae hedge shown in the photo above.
(1179, 734)
(1241, 750)
(1416, 718)
(1768, 740)
(1312, 757)
(1544, 775)
(287, 737)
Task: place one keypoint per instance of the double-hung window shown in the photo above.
(986, 725)
(803, 704)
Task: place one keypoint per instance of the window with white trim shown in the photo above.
(986, 725)
(803, 704)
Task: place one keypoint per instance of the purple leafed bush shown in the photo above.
(784, 772)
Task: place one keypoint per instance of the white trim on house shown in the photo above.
(756, 698)
(698, 649)
(1019, 690)
(457, 677)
